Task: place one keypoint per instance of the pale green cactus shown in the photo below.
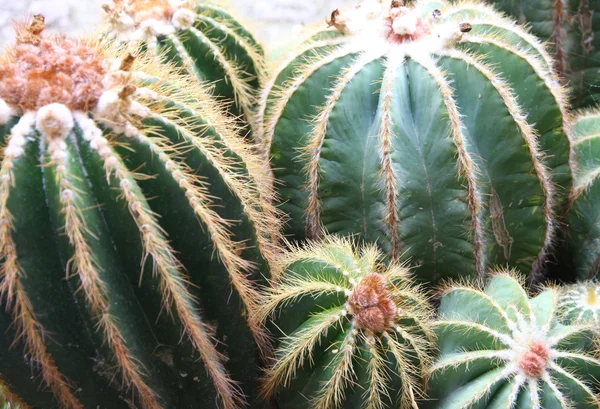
(580, 304)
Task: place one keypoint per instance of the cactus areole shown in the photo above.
(434, 130)
(501, 349)
(199, 36)
(131, 223)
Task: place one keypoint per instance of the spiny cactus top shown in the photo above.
(434, 130)
(131, 219)
(200, 36)
(573, 29)
(580, 255)
(580, 304)
(501, 349)
(350, 332)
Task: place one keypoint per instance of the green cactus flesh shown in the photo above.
(580, 253)
(580, 304)
(131, 223)
(573, 29)
(200, 36)
(350, 333)
(443, 146)
(501, 349)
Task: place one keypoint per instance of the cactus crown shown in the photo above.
(348, 319)
(500, 348)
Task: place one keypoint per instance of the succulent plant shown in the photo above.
(200, 36)
(350, 332)
(579, 254)
(435, 130)
(580, 304)
(573, 29)
(132, 221)
(501, 349)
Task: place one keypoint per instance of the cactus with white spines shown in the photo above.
(200, 36)
(132, 222)
(350, 332)
(499, 348)
(580, 304)
(431, 129)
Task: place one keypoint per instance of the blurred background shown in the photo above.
(271, 20)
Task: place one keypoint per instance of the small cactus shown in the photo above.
(580, 304)
(202, 37)
(350, 331)
(434, 130)
(572, 28)
(501, 349)
(132, 222)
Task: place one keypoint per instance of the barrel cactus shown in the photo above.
(350, 332)
(132, 221)
(580, 250)
(580, 304)
(429, 129)
(573, 29)
(200, 36)
(501, 349)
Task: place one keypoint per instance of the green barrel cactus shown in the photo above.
(431, 130)
(573, 29)
(501, 349)
(350, 332)
(580, 250)
(200, 36)
(580, 304)
(132, 222)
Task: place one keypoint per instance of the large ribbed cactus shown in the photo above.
(501, 349)
(580, 253)
(434, 130)
(200, 36)
(132, 221)
(573, 29)
(351, 333)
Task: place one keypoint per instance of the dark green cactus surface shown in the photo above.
(350, 331)
(132, 220)
(435, 131)
(202, 37)
(501, 349)
(573, 29)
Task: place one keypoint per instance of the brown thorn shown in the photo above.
(332, 20)
(33, 33)
(465, 27)
(127, 62)
(127, 91)
(397, 3)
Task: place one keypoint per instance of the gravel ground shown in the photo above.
(271, 20)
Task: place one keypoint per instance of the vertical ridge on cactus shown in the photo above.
(471, 179)
(202, 37)
(573, 29)
(350, 332)
(500, 348)
(580, 252)
(105, 159)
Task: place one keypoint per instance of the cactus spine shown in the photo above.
(573, 29)
(412, 127)
(350, 332)
(501, 349)
(200, 36)
(580, 304)
(107, 301)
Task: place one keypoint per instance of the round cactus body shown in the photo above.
(573, 29)
(580, 304)
(501, 349)
(434, 130)
(200, 36)
(132, 220)
(580, 250)
(350, 332)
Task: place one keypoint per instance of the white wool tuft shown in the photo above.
(6, 112)
(55, 121)
(18, 135)
(183, 18)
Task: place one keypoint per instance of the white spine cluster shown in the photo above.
(18, 136)
(6, 112)
(55, 121)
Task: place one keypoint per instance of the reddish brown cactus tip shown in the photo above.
(533, 362)
(371, 305)
(41, 70)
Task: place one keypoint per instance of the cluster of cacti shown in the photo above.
(501, 349)
(436, 134)
(142, 263)
(572, 28)
(132, 222)
(201, 37)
